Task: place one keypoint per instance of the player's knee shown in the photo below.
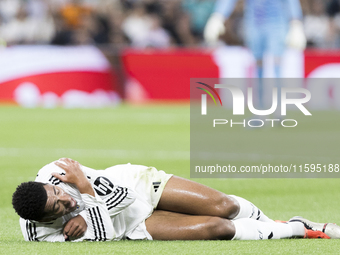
(227, 207)
(220, 229)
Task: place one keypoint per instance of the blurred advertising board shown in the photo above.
(51, 76)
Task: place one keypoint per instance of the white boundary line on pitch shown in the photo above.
(256, 157)
(99, 153)
(160, 155)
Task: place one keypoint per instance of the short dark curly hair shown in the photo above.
(29, 200)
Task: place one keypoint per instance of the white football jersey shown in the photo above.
(125, 196)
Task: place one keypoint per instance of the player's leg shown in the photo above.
(163, 225)
(255, 39)
(275, 45)
(249, 229)
(188, 197)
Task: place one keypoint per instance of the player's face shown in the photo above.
(58, 202)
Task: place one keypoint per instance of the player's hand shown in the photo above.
(214, 28)
(73, 175)
(75, 228)
(296, 38)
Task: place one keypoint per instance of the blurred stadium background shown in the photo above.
(127, 64)
(138, 50)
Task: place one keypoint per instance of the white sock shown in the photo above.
(298, 228)
(250, 229)
(248, 210)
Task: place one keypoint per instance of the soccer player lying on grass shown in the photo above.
(71, 202)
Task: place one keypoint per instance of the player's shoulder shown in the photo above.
(127, 166)
(44, 174)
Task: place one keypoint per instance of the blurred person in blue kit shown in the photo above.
(199, 12)
(269, 26)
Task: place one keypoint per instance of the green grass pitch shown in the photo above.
(159, 136)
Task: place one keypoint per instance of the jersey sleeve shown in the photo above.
(116, 195)
(35, 231)
(99, 225)
(119, 199)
